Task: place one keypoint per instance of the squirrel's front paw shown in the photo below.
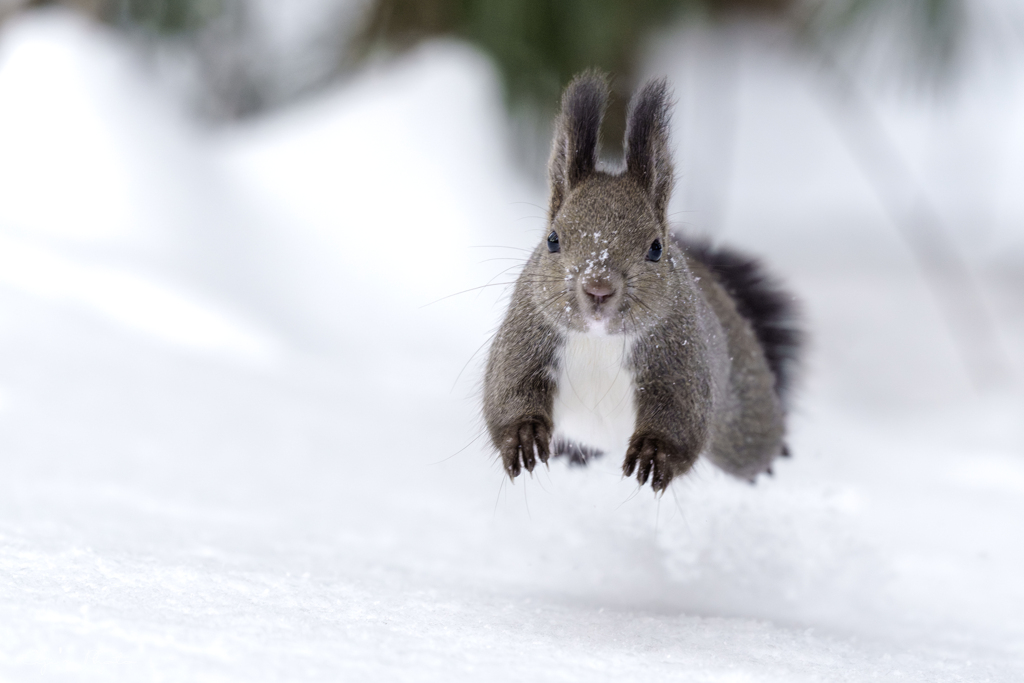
(654, 458)
(524, 443)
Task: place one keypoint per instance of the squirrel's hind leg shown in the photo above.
(577, 454)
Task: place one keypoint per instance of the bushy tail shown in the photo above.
(760, 299)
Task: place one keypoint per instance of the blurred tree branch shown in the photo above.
(167, 17)
(538, 45)
(219, 36)
(919, 40)
(945, 271)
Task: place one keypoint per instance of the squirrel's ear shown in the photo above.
(648, 158)
(574, 149)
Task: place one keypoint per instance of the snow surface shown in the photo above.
(240, 443)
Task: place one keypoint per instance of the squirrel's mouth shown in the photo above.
(605, 318)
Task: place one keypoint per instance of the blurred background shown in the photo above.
(841, 119)
(251, 254)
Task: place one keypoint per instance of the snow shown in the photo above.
(240, 437)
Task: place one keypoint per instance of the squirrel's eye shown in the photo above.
(553, 242)
(654, 253)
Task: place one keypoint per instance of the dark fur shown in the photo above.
(647, 155)
(574, 154)
(769, 308)
(577, 454)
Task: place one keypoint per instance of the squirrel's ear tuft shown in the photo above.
(648, 158)
(574, 149)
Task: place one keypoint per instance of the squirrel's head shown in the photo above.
(606, 263)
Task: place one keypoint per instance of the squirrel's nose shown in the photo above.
(598, 292)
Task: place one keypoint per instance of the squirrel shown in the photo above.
(622, 336)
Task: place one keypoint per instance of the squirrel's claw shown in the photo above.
(652, 458)
(511, 464)
(645, 461)
(524, 444)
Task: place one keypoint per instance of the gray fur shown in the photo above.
(702, 381)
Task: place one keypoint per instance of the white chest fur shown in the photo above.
(594, 402)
